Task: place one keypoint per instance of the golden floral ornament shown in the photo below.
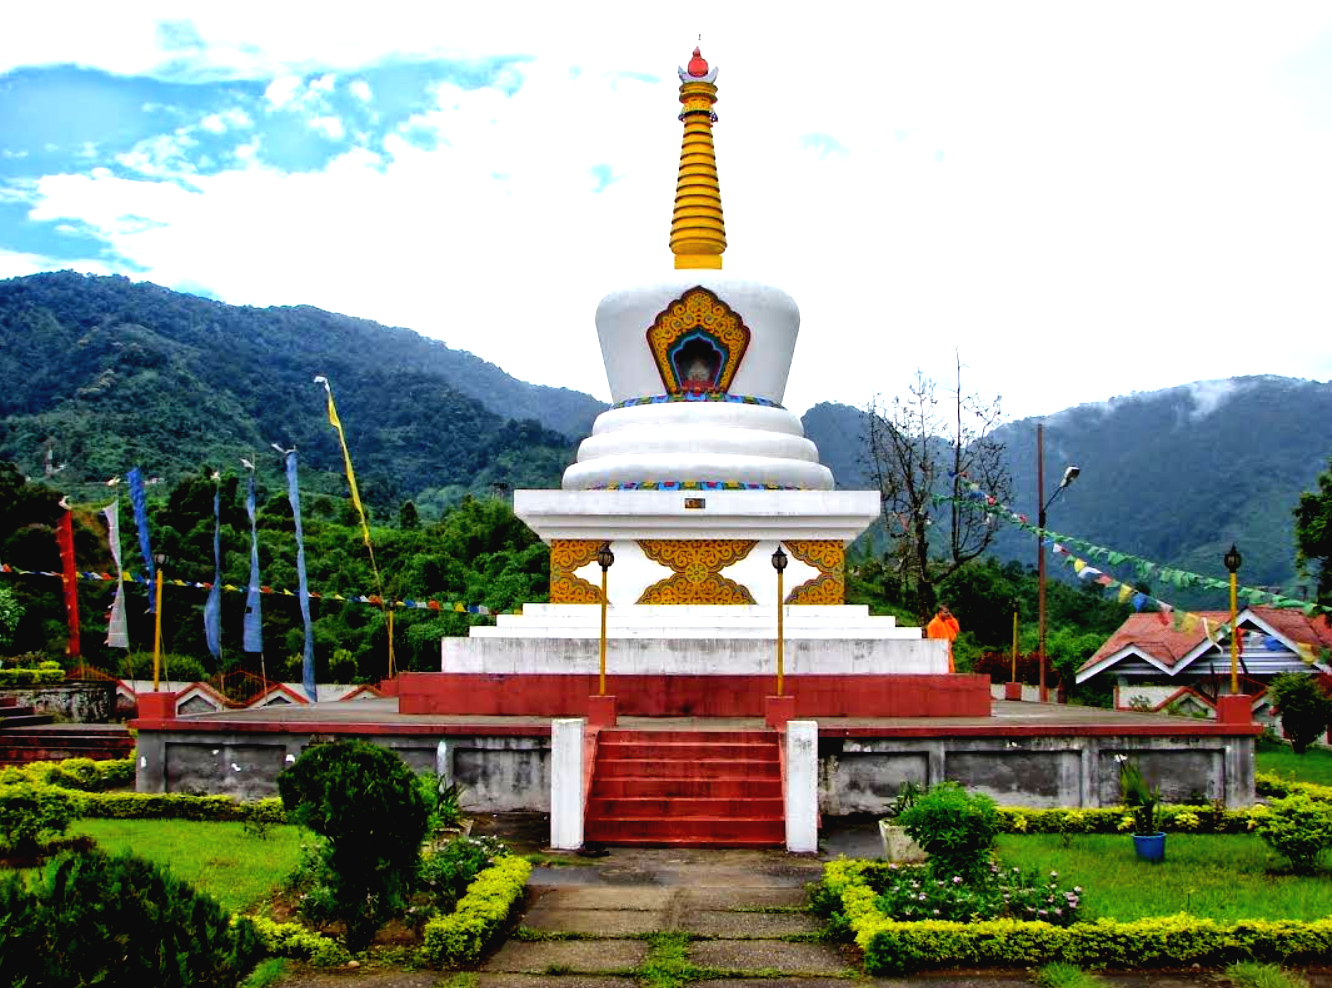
(696, 566)
(828, 556)
(697, 343)
(567, 556)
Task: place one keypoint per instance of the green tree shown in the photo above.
(1313, 535)
(368, 807)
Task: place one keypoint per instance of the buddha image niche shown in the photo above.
(697, 365)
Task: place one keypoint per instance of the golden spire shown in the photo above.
(698, 232)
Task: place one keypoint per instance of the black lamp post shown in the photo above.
(1070, 475)
(1232, 560)
(605, 559)
(779, 564)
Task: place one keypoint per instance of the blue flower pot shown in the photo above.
(1150, 847)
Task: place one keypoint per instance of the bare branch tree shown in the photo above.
(918, 451)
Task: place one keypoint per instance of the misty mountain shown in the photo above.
(1174, 476)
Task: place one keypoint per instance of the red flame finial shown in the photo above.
(698, 65)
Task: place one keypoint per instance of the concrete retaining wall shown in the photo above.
(497, 773)
(862, 774)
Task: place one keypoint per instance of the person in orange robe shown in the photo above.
(944, 625)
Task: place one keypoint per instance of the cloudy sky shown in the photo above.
(1084, 200)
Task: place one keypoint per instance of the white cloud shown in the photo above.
(330, 127)
(361, 90)
(220, 123)
(281, 90)
(1083, 201)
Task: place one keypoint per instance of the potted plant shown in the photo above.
(1142, 799)
(897, 845)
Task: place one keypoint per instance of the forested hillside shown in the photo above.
(101, 374)
(1174, 476)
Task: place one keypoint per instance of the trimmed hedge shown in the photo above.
(892, 948)
(461, 936)
(295, 941)
(32, 677)
(1119, 819)
(1268, 784)
(180, 806)
(83, 774)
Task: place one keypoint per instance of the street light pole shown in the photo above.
(605, 559)
(1070, 475)
(1232, 559)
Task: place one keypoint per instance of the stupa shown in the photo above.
(701, 483)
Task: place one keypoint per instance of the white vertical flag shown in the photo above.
(117, 631)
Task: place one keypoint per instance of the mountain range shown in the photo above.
(98, 374)
(1174, 476)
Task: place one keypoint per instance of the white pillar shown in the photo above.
(802, 793)
(566, 784)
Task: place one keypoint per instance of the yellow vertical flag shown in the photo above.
(1125, 592)
(336, 422)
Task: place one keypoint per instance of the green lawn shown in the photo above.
(1315, 765)
(1224, 877)
(219, 858)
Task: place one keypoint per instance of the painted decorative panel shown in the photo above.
(828, 556)
(697, 342)
(696, 566)
(566, 557)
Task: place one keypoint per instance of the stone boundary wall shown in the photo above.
(70, 702)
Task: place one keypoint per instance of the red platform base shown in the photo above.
(551, 695)
(601, 711)
(1012, 691)
(1234, 709)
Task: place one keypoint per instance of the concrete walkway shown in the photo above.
(727, 919)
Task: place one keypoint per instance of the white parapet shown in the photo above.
(566, 784)
(697, 514)
(802, 790)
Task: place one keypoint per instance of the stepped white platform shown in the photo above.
(564, 639)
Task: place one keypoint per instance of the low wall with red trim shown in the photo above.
(541, 695)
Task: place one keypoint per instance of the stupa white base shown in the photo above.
(559, 639)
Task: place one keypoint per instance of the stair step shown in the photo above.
(718, 843)
(734, 788)
(688, 750)
(24, 720)
(619, 736)
(676, 828)
(703, 768)
(629, 807)
(16, 710)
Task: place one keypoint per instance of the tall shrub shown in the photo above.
(956, 828)
(1299, 828)
(368, 807)
(119, 920)
(1306, 711)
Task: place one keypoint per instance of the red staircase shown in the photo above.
(686, 789)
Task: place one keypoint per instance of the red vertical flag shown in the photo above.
(65, 537)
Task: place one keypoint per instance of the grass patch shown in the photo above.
(218, 858)
(1315, 765)
(267, 972)
(1252, 975)
(540, 859)
(666, 964)
(1219, 876)
(526, 934)
(1060, 975)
